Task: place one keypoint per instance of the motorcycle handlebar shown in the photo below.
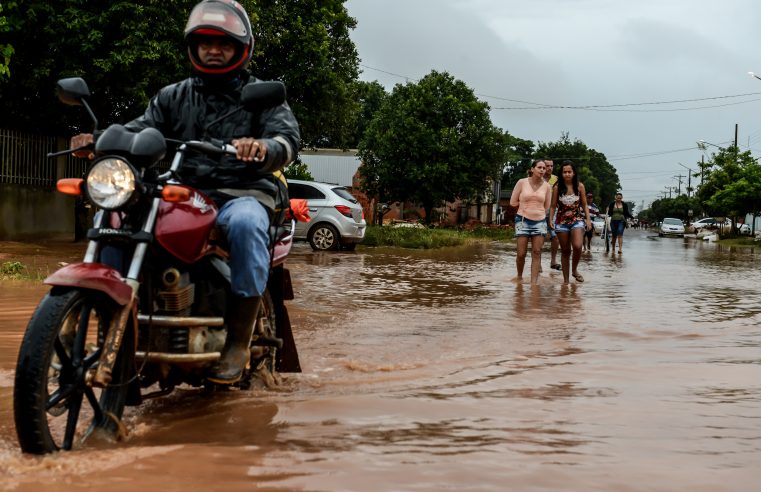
(69, 151)
(211, 148)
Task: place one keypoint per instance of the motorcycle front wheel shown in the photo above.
(62, 344)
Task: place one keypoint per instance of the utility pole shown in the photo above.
(702, 166)
(689, 178)
(679, 187)
(736, 135)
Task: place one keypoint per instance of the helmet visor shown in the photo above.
(216, 16)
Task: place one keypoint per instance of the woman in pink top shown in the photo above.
(532, 198)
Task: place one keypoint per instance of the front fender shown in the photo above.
(95, 276)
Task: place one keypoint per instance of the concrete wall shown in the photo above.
(27, 211)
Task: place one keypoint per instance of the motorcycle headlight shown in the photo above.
(111, 183)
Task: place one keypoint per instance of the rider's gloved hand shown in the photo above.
(82, 140)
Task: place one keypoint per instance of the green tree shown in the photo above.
(125, 50)
(518, 160)
(431, 142)
(370, 97)
(6, 49)
(298, 170)
(128, 50)
(678, 208)
(732, 184)
(594, 170)
(306, 44)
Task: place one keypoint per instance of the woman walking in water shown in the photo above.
(618, 212)
(532, 198)
(569, 202)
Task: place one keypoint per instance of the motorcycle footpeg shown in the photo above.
(263, 341)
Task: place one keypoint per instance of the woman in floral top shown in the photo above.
(569, 198)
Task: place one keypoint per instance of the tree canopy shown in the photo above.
(125, 50)
(6, 49)
(732, 184)
(593, 168)
(677, 207)
(730, 187)
(431, 142)
(306, 44)
(369, 96)
(128, 50)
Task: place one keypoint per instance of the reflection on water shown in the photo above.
(433, 370)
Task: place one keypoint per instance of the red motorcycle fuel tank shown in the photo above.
(183, 227)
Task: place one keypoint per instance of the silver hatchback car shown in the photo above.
(337, 217)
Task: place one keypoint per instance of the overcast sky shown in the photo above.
(518, 54)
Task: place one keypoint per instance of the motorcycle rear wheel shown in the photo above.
(61, 345)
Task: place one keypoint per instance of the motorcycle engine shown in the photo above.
(178, 294)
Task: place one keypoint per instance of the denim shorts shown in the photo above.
(579, 224)
(527, 227)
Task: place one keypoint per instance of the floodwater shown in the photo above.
(433, 370)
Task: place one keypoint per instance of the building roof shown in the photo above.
(331, 165)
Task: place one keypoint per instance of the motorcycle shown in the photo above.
(144, 311)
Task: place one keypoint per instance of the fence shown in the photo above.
(29, 205)
(24, 161)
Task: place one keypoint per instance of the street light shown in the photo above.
(754, 75)
(702, 145)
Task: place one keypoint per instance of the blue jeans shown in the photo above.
(617, 228)
(245, 223)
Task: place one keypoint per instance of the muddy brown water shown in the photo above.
(433, 370)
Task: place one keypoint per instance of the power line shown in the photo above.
(601, 107)
(604, 107)
(649, 154)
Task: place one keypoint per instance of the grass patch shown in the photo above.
(17, 270)
(432, 238)
(739, 241)
(12, 270)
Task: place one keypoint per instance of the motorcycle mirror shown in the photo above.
(72, 91)
(263, 95)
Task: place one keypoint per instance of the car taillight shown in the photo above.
(344, 210)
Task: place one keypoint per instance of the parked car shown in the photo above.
(598, 222)
(709, 223)
(745, 229)
(337, 217)
(671, 227)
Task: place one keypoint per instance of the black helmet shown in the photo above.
(220, 18)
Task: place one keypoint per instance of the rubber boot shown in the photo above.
(240, 317)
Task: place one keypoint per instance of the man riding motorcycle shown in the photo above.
(246, 188)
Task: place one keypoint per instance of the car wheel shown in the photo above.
(323, 237)
(660, 234)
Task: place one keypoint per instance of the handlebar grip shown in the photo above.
(211, 148)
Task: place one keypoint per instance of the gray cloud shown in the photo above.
(584, 52)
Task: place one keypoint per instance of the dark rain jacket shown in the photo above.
(183, 110)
